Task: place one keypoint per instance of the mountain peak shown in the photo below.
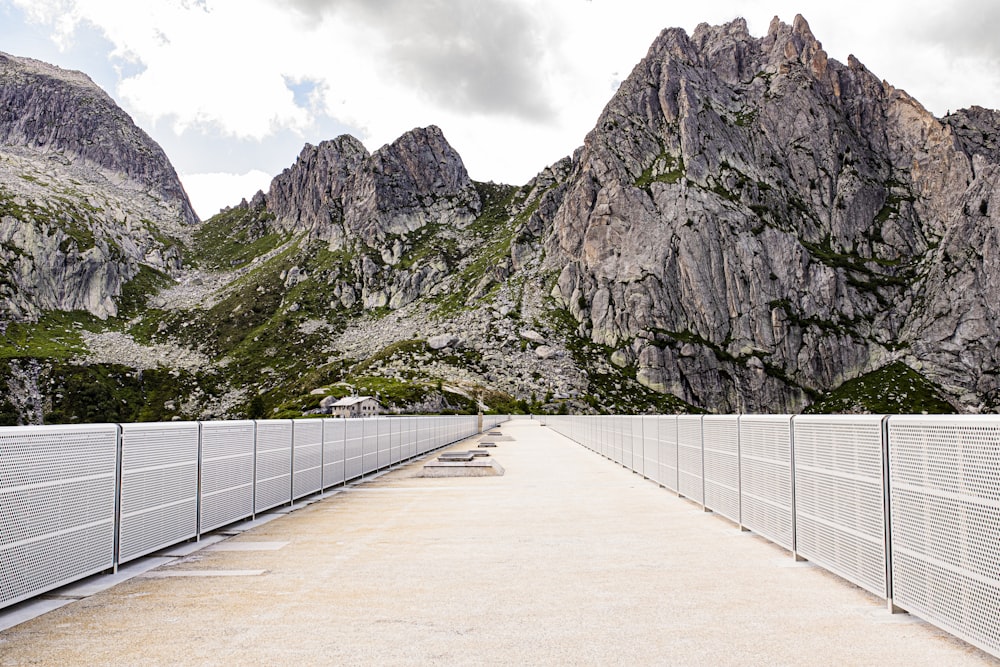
(339, 192)
(749, 204)
(50, 109)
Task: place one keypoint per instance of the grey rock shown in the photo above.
(51, 110)
(532, 335)
(545, 352)
(86, 197)
(442, 341)
(750, 198)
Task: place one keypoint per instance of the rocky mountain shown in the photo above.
(752, 223)
(87, 199)
(370, 205)
(751, 226)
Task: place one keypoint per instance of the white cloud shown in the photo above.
(209, 193)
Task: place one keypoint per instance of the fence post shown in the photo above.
(887, 523)
(791, 464)
(116, 551)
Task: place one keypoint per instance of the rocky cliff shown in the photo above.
(752, 223)
(86, 197)
(380, 210)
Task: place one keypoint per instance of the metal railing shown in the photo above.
(906, 507)
(78, 500)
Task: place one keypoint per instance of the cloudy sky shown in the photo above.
(232, 89)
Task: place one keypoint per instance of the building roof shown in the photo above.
(348, 401)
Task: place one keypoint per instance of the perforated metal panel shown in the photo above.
(410, 437)
(354, 441)
(383, 436)
(839, 496)
(581, 429)
(159, 487)
(602, 431)
(689, 458)
(417, 430)
(57, 506)
(635, 434)
(722, 464)
(766, 476)
(432, 433)
(607, 437)
(227, 455)
(666, 432)
(651, 448)
(423, 435)
(333, 452)
(623, 427)
(396, 426)
(307, 457)
(442, 431)
(273, 485)
(945, 508)
(369, 453)
(439, 431)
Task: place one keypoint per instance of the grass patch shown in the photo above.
(234, 238)
(892, 389)
(665, 169)
(111, 393)
(56, 335)
(147, 281)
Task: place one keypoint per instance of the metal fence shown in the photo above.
(159, 486)
(906, 507)
(78, 500)
(57, 494)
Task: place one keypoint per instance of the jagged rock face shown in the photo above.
(48, 109)
(374, 207)
(340, 192)
(751, 222)
(86, 198)
(955, 322)
(308, 196)
(417, 179)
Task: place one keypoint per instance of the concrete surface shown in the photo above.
(566, 559)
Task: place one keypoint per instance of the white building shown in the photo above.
(356, 406)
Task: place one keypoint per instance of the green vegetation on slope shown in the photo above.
(612, 390)
(492, 234)
(55, 336)
(113, 393)
(892, 389)
(233, 238)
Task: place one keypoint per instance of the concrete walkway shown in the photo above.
(566, 559)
